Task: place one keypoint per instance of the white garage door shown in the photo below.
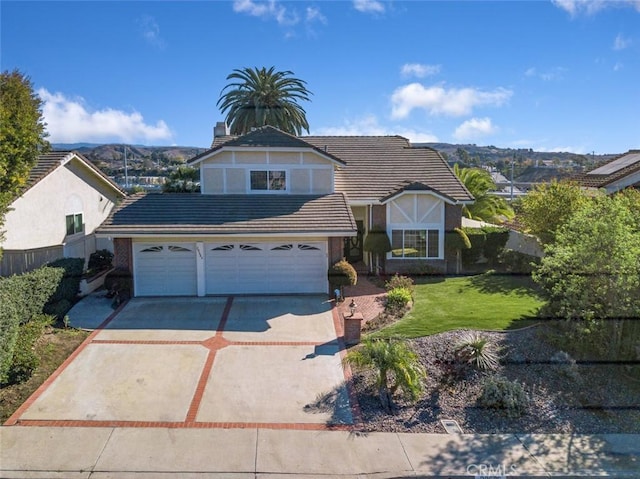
(282, 267)
(165, 269)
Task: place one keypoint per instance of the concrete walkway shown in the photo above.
(37, 452)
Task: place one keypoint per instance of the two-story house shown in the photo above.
(275, 210)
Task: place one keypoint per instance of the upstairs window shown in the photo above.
(268, 180)
(74, 224)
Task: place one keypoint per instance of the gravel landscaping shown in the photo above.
(563, 397)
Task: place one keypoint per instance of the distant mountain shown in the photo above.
(72, 146)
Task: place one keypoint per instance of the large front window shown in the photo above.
(74, 224)
(415, 243)
(268, 180)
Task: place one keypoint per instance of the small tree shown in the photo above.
(456, 241)
(342, 274)
(377, 242)
(184, 179)
(397, 368)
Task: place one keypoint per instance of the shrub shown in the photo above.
(495, 241)
(72, 274)
(22, 297)
(58, 309)
(477, 238)
(516, 262)
(377, 241)
(398, 298)
(119, 280)
(342, 274)
(477, 350)
(398, 281)
(507, 396)
(25, 360)
(457, 239)
(100, 260)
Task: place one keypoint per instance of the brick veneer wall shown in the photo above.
(336, 250)
(122, 254)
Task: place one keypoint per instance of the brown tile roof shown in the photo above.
(49, 162)
(266, 136)
(198, 214)
(591, 180)
(377, 166)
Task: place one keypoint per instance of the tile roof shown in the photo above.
(49, 162)
(198, 214)
(263, 137)
(376, 166)
(591, 180)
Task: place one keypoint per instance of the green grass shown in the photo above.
(486, 301)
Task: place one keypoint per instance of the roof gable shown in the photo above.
(612, 171)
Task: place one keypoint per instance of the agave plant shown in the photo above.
(478, 350)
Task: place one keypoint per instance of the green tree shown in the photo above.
(591, 274)
(397, 368)
(488, 206)
(548, 206)
(22, 135)
(259, 97)
(183, 180)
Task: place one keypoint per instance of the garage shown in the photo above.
(275, 267)
(167, 269)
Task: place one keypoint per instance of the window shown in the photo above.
(270, 180)
(415, 243)
(74, 224)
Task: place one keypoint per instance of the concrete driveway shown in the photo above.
(203, 362)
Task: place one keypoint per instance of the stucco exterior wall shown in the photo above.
(38, 218)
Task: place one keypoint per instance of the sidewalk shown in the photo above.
(37, 452)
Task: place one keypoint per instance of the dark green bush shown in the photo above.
(495, 240)
(377, 241)
(119, 281)
(25, 360)
(59, 308)
(477, 238)
(507, 396)
(342, 274)
(22, 297)
(456, 239)
(72, 274)
(100, 260)
(515, 262)
(398, 281)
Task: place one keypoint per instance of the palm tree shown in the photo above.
(397, 367)
(183, 180)
(488, 206)
(262, 97)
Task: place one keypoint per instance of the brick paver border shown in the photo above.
(214, 344)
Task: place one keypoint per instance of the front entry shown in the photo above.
(353, 245)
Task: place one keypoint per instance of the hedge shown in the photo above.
(23, 297)
(488, 241)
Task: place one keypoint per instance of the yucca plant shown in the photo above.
(397, 367)
(478, 350)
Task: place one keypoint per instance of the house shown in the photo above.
(65, 199)
(275, 210)
(616, 174)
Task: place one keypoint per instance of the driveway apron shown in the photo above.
(254, 361)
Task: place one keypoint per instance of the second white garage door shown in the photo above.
(282, 267)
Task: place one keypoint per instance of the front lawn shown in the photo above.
(487, 301)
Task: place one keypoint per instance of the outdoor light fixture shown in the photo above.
(353, 306)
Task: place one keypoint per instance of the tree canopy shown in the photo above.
(488, 206)
(22, 134)
(259, 96)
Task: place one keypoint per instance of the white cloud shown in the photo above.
(591, 7)
(437, 100)
(313, 14)
(556, 73)
(151, 31)
(419, 70)
(369, 6)
(620, 43)
(69, 121)
(369, 126)
(474, 128)
(267, 10)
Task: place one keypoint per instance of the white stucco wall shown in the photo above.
(38, 218)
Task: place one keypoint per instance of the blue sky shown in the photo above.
(549, 75)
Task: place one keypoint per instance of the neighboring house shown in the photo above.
(65, 199)
(275, 210)
(614, 175)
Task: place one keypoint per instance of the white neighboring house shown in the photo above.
(66, 198)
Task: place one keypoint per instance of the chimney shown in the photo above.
(221, 129)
